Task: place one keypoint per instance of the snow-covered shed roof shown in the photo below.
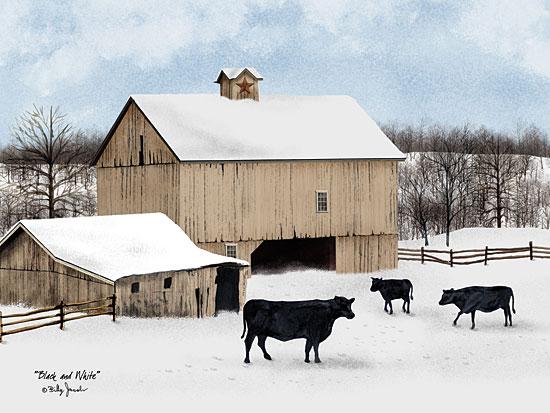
(234, 72)
(213, 128)
(114, 246)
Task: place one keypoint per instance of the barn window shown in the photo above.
(168, 282)
(322, 201)
(135, 288)
(141, 158)
(231, 250)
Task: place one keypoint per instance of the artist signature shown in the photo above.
(64, 389)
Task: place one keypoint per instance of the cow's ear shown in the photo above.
(351, 300)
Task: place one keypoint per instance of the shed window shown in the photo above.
(168, 282)
(322, 201)
(135, 288)
(231, 250)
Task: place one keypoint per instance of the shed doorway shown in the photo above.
(227, 289)
(277, 256)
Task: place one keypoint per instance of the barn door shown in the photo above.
(227, 291)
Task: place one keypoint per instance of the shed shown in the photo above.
(146, 259)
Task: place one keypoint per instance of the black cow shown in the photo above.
(288, 320)
(486, 299)
(393, 290)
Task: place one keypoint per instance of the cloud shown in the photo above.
(132, 32)
(518, 31)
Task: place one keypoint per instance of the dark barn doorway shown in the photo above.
(276, 256)
(227, 290)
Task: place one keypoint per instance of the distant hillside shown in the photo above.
(481, 237)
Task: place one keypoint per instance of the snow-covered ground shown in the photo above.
(467, 238)
(417, 362)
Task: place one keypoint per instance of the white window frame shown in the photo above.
(317, 192)
(229, 245)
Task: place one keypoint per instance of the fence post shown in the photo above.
(531, 250)
(422, 255)
(486, 254)
(1, 329)
(451, 256)
(61, 315)
(113, 303)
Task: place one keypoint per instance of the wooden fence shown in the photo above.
(472, 256)
(65, 312)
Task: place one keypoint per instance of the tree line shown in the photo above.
(457, 177)
(45, 168)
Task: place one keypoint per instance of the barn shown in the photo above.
(279, 181)
(148, 261)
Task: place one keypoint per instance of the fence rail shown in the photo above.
(472, 256)
(77, 310)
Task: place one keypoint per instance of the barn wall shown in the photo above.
(153, 300)
(245, 201)
(244, 252)
(138, 189)
(29, 276)
(124, 146)
(366, 253)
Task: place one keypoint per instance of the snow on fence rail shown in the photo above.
(472, 256)
(63, 310)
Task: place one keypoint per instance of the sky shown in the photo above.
(484, 62)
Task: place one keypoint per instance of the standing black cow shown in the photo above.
(288, 320)
(393, 290)
(486, 299)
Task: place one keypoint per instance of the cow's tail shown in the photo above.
(513, 309)
(410, 283)
(244, 326)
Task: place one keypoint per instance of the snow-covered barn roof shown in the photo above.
(234, 72)
(114, 246)
(213, 128)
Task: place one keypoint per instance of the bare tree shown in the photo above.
(49, 154)
(416, 200)
(450, 157)
(497, 164)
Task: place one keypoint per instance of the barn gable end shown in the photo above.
(133, 141)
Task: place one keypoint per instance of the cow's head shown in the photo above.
(447, 297)
(342, 307)
(376, 284)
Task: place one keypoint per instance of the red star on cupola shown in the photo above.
(244, 85)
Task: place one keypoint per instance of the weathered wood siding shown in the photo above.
(230, 89)
(244, 252)
(366, 253)
(153, 300)
(124, 146)
(29, 276)
(245, 201)
(139, 189)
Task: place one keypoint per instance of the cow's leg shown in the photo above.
(473, 320)
(509, 314)
(385, 306)
(316, 350)
(391, 308)
(457, 317)
(408, 305)
(248, 344)
(506, 310)
(261, 344)
(308, 349)
(404, 303)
